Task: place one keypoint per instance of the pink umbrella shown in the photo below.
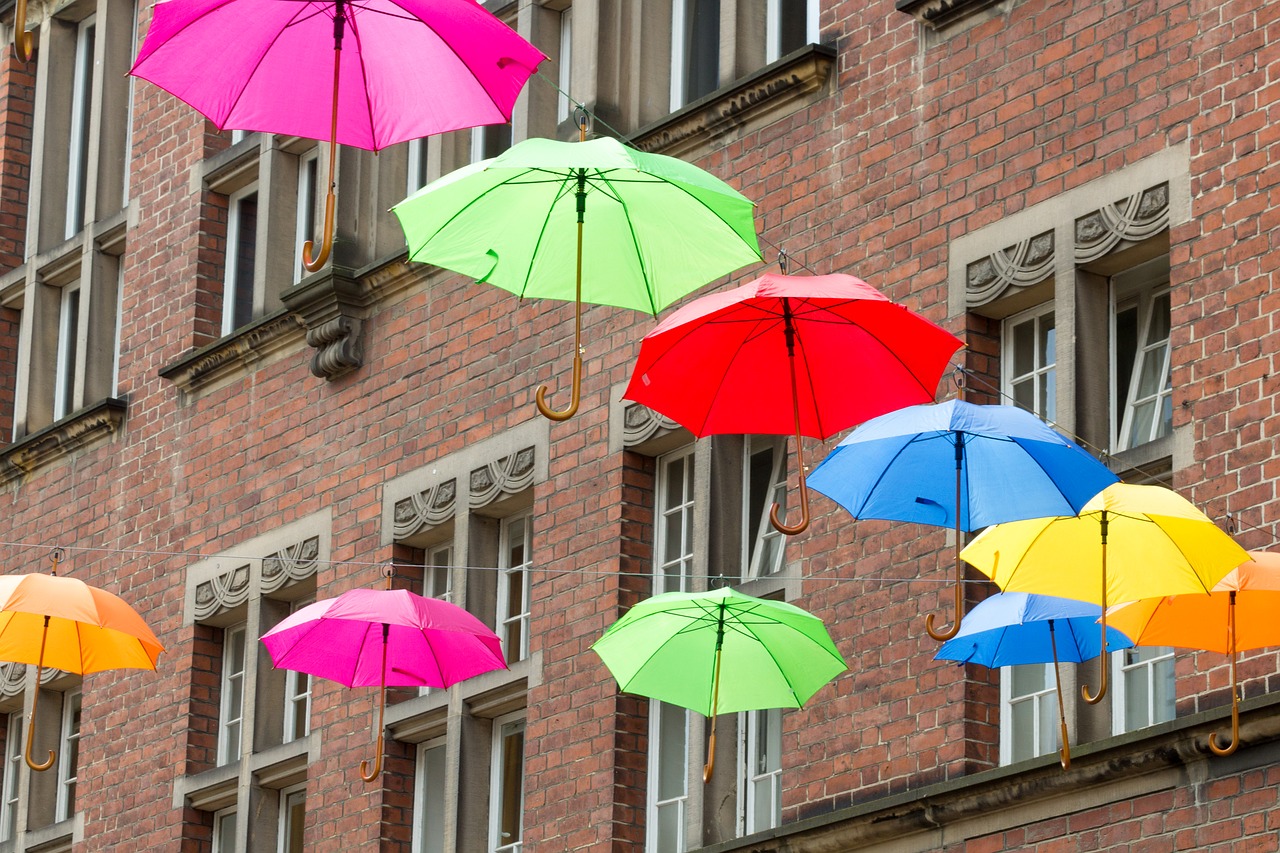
(385, 637)
(414, 68)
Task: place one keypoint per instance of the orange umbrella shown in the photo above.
(1238, 613)
(48, 620)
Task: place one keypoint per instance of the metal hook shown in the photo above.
(57, 555)
(782, 260)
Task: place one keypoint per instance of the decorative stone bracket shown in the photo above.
(333, 306)
(941, 14)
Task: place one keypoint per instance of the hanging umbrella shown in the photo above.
(592, 221)
(414, 68)
(388, 637)
(1129, 542)
(64, 623)
(1015, 628)
(832, 345)
(1239, 613)
(719, 652)
(1008, 465)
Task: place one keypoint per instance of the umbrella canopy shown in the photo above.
(413, 68)
(63, 622)
(385, 637)
(960, 465)
(1014, 628)
(720, 652)
(833, 346)
(1239, 613)
(1128, 542)
(592, 221)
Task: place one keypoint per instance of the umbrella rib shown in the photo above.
(918, 438)
(1047, 475)
(635, 243)
(561, 192)
(257, 64)
(785, 676)
(364, 77)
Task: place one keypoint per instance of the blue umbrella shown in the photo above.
(1012, 628)
(995, 463)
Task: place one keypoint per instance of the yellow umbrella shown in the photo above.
(1239, 613)
(1128, 543)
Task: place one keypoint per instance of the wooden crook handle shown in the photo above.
(23, 43)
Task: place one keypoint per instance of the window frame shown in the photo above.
(1142, 287)
(1042, 376)
(68, 754)
(287, 797)
(308, 197)
(297, 692)
(421, 799)
(682, 23)
(767, 537)
(231, 290)
(80, 127)
(10, 792)
(665, 508)
(226, 682)
(749, 724)
(498, 777)
(653, 795)
(773, 31)
(564, 66)
(505, 616)
(66, 361)
(1120, 698)
(1040, 718)
(222, 820)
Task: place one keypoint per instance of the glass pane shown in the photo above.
(1151, 377)
(769, 741)
(702, 40)
(515, 542)
(671, 751)
(439, 587)
(1165, 427)
(511, 794)
(431, 799)
(1024, 394)
(1126, 352)
(1164, 704)
(1049, 395)
(1158, 329)
(759, 485)
(1024, 348)
(1048, 340)
(1027, 679)
(669, 827)
(762, 791)
(1048, 703)
(1137, 699)
(1022, 716)
(225, 834)
(793, 25)
(515, 593)
(246, 248)
(675, 481)
(295, 820)
(673, 548)
(1140, 432)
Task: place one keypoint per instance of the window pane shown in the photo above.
(1126, 353)
(511, 785)
(669, 827)
(702, 48)
(1159, 326)
(1024, 348)
(672, 751)
(1048, 722)
(1022, 716)
(1027, 679)
(793, 25)
(245, 247)
(1137, 699)
(294, 822)
(431, 800)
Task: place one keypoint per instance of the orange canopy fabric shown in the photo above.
(89, 629)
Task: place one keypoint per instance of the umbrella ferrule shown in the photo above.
(788, 326)
(1102, 527)
(339, 23)
(582, 195)
(959, 450)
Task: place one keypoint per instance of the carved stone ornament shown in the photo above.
(13, 679)
(333, 306)
(1020, 265)
(1129, 220)
(641, 423)
(222, 592)
(226, 358)
(942, 14)
(290, 565)
(425, 509)
(507, 476)
(86, 428)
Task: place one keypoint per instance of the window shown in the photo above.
(308, 178)
(489, 141)
(1028, 712)
(673, 545)
(1030, 361)
(81, 106)
(1143, 401)
(417, 165)
(297, 695)
(789, 25)
(224, 831)
(765, 483)
(242, 249)
(12, 768)
(1144, 689)
(68, 337)
(513, 586)
(293, 814)
(564, 69)
(695, 50)
(68, 755)
(231, 714)
(428, 813)
(762, 763)
(668, 794)
(437, 579)
(506, 794)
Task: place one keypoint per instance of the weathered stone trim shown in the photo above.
(213, 366)
(290, 565)
(1023, 264)
(940, 15)
(333, 307)
(222, 592)
(640, 423)
(1129, 220)
(86, 428)
(506, 476)
(428, 508)
(13, 679)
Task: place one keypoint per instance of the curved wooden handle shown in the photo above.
(1235, 691)
(377, 764)
(959, 606)
(575, 395)
(23, 44)
(1102, 672)
(313, 264)
(35, 700)
(804, 512)
(1064, 751)
(710, 766)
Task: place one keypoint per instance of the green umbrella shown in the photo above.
(719, 652)
(656, 228)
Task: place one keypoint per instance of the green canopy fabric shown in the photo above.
(773, 654)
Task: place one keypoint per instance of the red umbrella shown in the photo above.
(837, 347)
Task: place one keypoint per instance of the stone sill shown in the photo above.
(216, 365)
(1167, 746)
(89, 427)
(752, 102)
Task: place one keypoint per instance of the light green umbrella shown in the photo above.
(655, 228)
(720, 652)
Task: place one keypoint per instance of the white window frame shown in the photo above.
(668, 505)
(1162, 657)
(509, 723)
(128, 126)
(564, 68)
(232, 260)
(480, 135)
(417, 174)
(68, 755)
(288, 796)
(437, 557)
(70, 306)
(767, 536)
(305, 211)
(115, 348)
(231, 718)
(507, 618)
(429, 792)
(773, 28)
(1042, 376)
(77, 202)
(297, 693)
(758, 816)
(224, 821)
(12, 771)
(1039, 720)
(653, 800)
(1143, 293)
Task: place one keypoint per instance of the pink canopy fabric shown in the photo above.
(410, 68)
(429, 642)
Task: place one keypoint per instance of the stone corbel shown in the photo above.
(333, 306)
(943, 14)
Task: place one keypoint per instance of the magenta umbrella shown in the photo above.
(385, 637)
(413, 68)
